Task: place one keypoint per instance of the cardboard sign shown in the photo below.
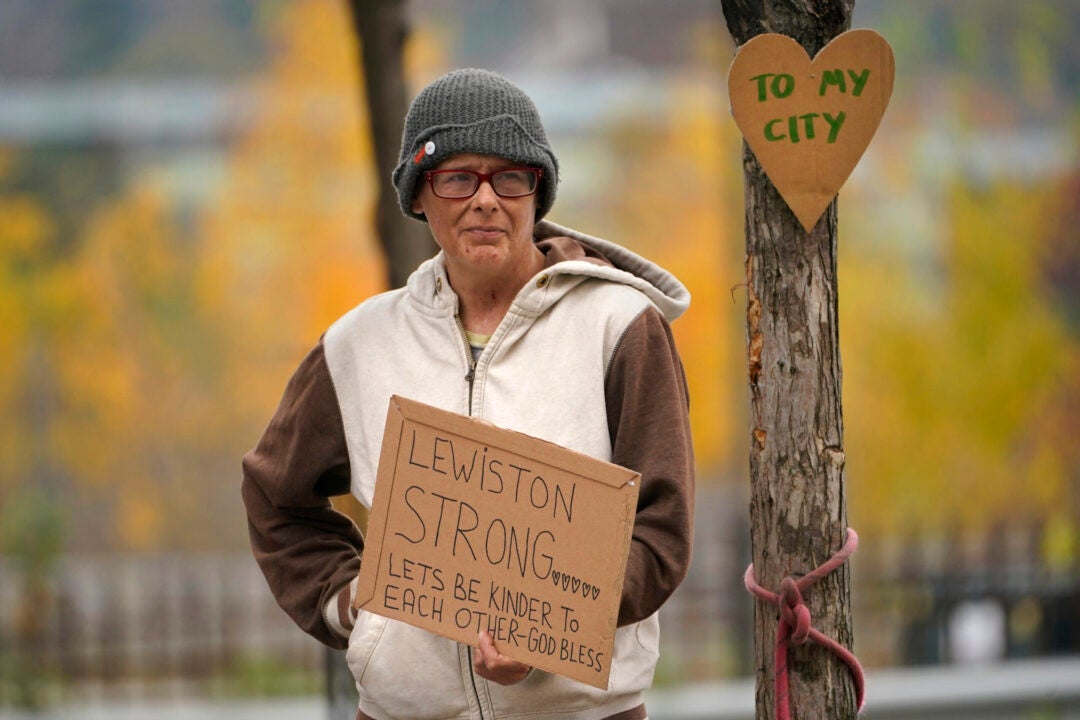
(808, 123)
(473, 527)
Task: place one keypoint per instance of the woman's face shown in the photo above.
(484, 236)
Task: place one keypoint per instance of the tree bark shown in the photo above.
(798, 509)
(382, 29)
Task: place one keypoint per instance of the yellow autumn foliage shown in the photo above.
(955, 373)
(167, 338)
(674, 202)
(291, 246)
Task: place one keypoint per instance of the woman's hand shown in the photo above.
(491, 665)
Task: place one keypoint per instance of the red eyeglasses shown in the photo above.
(461, 184)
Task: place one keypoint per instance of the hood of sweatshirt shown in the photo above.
(572, 257)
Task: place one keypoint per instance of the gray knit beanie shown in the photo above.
(473, 111)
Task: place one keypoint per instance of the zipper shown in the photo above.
(470, 377)
(472, 676)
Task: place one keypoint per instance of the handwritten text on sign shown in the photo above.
(475, 528)
(808, 123)
(781, 85)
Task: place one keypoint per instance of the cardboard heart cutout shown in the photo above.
(809, 122)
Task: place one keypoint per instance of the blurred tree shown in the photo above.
(303, 178)
(382, 31)
(970, 390)
(1060, 257)
(957, 272)
(31, 480)
(149, 338)
(137, 372)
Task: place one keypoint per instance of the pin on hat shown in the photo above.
(428, 149)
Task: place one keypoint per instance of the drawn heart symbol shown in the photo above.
(575, 583)
(586, 588)
(555, 574)
(565, 581)
(809, 122)
(595, 592)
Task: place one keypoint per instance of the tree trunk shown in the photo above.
(382, 29)
(798, 510)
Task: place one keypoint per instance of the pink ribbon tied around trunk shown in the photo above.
(796, 626)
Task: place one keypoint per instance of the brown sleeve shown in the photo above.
(306, 549)
(648, 417)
